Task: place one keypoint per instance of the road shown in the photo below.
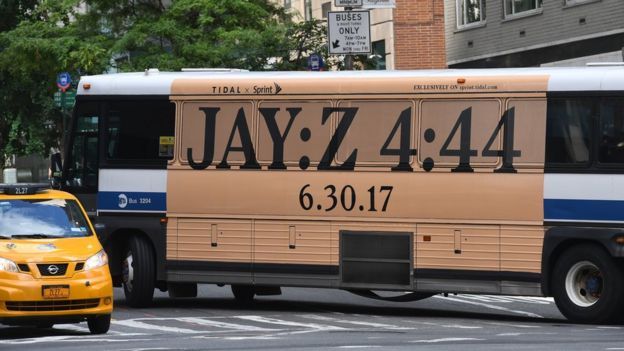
(318, 319)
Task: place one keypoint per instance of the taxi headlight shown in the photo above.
(8, 265)
(95, 261)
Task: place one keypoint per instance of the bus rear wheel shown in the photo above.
(138, 272)
(587, 285)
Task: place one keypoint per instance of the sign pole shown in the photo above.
(349, 57)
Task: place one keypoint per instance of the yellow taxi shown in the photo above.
(52, 266)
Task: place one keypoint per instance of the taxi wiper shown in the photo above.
(33, 236)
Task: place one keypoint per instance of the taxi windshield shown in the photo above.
(48, 218)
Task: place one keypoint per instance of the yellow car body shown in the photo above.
(59, 279)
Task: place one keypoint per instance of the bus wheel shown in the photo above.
(138, 272)
(243, 293)
(99, 324)
(587, 285)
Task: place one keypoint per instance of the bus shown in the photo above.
(484, 181)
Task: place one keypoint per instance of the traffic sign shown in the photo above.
(379, 4)
(63, 81)
(64, 99)
(347, 3)
(315, 62)
(349, 32)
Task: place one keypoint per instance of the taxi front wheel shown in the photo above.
(99, 324)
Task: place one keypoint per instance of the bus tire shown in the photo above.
(138, 272)
(588, 285)
(243, 293)
(99, 324)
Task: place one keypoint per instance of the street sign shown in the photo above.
(379, 4)
(63, 81)
(315, 62)
(65, 99)
(349, 32)
(347, 3)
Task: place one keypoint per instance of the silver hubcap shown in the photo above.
(128, 272)
(583, 284)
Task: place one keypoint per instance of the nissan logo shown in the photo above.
(53, 269)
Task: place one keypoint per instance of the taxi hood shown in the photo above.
(48, 250)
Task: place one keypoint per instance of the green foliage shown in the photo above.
(40, 38)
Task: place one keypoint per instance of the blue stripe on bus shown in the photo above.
(583, 210)
(131, 201)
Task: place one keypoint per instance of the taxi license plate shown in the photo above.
(55, 291)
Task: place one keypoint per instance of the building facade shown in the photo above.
(525, 33)
(410, 36)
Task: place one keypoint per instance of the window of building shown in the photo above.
(379, 54)
(307, 9)
(287, 4)
(325, 8)
(470, 12)
(521, 7)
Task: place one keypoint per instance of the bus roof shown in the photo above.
(154, 82)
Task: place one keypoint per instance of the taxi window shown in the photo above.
(48, 218)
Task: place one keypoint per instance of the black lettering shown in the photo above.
(246, 147)
(330, 153)
(209, 139)
(464, 120)
(404, 152)
(276, 136)
(508, 153)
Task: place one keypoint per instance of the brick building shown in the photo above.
(410, 36)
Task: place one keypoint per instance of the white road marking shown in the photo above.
(455, 326)
(446, 340)
(366, 324)
(512, 325)
(494, 307)
(358, 346)
(217, 324)
(139, 324)
(260, 319)
(65, 338)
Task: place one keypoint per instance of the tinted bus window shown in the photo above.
(569, 130)
(611, 146)
(135, 130)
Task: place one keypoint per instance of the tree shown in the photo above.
(40, 38)
(45, 42)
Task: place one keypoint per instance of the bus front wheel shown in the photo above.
(588, 284)
(138, 272)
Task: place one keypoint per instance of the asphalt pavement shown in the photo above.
(320, 319)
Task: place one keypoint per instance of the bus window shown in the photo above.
(307, 137)
(378, 123)
(135, 131)
(611, 147)
(83, 161)
(229, 136)
(569, 130)
(454, 133)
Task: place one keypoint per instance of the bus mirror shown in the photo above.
(56, 166)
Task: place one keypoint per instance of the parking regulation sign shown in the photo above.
(349, 32)
(347, 3)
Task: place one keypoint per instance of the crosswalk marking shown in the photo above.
(366, 324)
(267, 320)
(219, 324)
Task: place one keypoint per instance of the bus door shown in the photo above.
(82, 160)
